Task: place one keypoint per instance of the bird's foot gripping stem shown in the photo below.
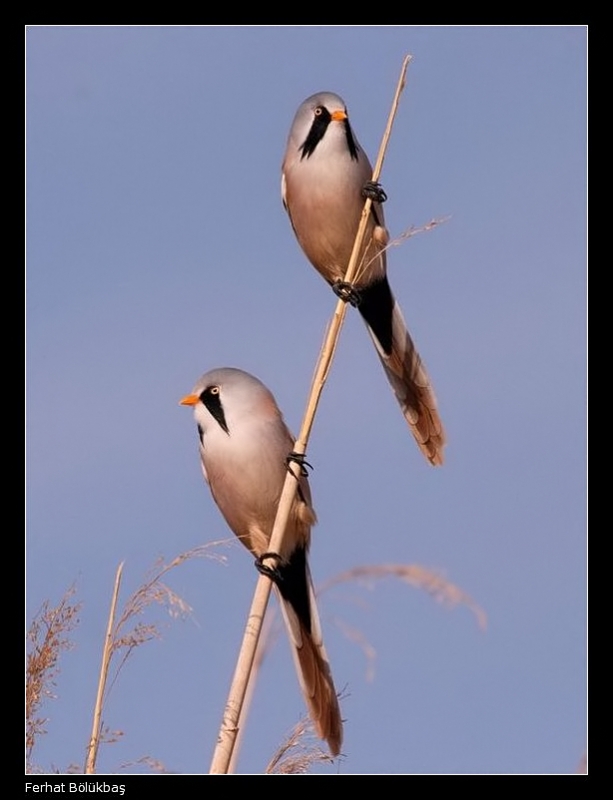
(347, 293)
(300, 459)
(271, 572)
(374, 191)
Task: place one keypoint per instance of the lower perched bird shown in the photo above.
(325, 175)
(244, 445)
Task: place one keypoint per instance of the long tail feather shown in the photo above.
(404, 368)
(309, 654)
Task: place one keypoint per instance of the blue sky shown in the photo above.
(158, 248)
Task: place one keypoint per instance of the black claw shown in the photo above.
(374, 191)
(347, 293)
(270, 572)
(300, 459)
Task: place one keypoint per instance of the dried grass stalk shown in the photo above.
(47, 637)
(107, 650)
(298, 752)
(124, 634)
(429, 580)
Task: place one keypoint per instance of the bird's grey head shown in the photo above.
(227, 396)
(312, 123)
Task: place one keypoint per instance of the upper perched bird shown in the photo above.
(244, 445)
(325, 175)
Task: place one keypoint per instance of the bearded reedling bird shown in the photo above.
(325, 178)
(244, 446)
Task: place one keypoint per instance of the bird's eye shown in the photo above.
(319, 111)
(214, 390)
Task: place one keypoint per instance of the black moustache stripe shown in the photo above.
(351, 145)
(213, 403)
(318, 130)
(316, 133)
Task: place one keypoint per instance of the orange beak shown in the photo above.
(189, 400)
(338, 116)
